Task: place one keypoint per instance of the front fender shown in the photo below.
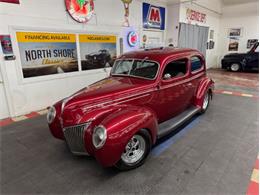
(204, 85)
(121, 126)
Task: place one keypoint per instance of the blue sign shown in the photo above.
(153, 17)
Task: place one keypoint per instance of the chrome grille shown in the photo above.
(74, 136)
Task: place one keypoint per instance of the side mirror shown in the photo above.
(167, 76)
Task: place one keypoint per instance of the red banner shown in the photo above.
(10, 1)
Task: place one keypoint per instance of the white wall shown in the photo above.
(212, 21)
(173, 17)
(244, 16)
(26, 95)
(4, 111)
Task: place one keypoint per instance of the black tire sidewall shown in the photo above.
(121, 165)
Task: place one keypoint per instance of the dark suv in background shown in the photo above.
(242, 61)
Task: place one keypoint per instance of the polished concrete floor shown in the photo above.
(213, 154)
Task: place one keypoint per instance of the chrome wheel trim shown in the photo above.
(235, 67)
(134, 150)
(205, 101)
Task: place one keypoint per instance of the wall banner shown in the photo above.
(97, 51)
(153, 17)
(47, 53)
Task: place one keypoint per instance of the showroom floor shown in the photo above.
(213, 154)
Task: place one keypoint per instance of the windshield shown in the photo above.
(137, 68)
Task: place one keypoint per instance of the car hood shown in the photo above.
(100, 94)
(235, 55)
(94, 54)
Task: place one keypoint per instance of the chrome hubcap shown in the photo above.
(235, 67)
(134, 150)
(206, 101)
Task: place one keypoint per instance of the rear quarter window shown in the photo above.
(196, 63)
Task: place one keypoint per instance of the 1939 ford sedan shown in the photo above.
(148, 94)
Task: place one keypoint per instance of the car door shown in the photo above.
(252, 59)
(197, 72)
(174, 94)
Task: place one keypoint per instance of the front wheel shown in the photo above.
(235, 67)
(136, 151)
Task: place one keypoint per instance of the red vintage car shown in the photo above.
(148, 94)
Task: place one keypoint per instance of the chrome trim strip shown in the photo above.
(182, 81)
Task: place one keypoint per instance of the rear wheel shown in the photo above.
(235, 67)
(136, 151)
(206, 101)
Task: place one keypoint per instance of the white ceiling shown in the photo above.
(232, 2)
(225, 2)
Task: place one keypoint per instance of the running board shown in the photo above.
(172, 124)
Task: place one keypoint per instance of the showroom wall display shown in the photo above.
(80, 10)
(47, 53)
(235, 32)
(251, 42)
(97, 51)
(6, 44)
(132, 39)
(153, 17)
(233, 44)
(193, 15)
(126, 6)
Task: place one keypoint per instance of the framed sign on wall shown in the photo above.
(43, 53)
(153, 17)
(235, 32)
(251, 42)
(97, 51)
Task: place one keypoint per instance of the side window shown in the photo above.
(196, 63)
(175, 68)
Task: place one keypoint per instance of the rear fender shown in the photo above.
(121, 126)
(205, 85)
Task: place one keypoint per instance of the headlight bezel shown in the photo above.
(99, 136)
(51, 114)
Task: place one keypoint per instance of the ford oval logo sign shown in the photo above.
(132, 39)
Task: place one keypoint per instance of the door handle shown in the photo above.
(189, 84)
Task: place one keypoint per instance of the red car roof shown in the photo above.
(158, 54)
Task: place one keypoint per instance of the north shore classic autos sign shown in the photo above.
(44, 53)
(47, 53)
(153, 17)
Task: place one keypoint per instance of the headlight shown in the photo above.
(99, 136)
(51, 114)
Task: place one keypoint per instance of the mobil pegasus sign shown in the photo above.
(153, 17)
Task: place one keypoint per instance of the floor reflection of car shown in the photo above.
(242, 61)
(100, 58)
